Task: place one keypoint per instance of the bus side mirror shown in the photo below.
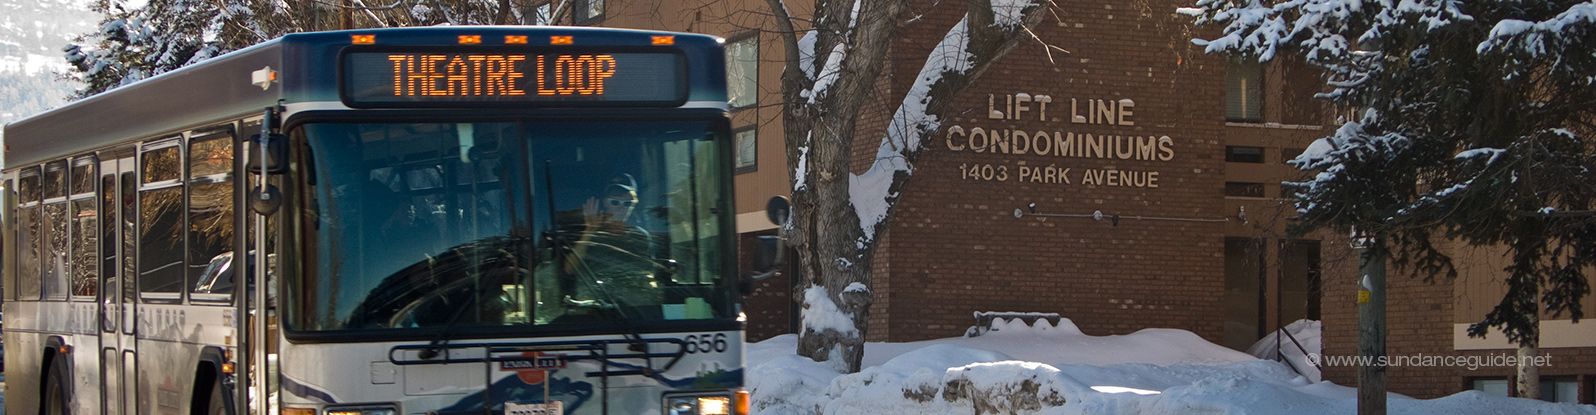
(768, 250)
(268, 153)
(275, 149)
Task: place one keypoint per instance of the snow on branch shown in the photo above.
(870, 192)
(806, 54)
(1253, 28)
(1319, 27)
(829, 74)
(1522, 42)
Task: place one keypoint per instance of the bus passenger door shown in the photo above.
(117, 363)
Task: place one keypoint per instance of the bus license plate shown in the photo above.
(551, 408)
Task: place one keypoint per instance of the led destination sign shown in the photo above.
(495, 78)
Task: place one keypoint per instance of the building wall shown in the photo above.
(1422, 319)
(956, 246)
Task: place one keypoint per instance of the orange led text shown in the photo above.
(574, 75)
(456, 75)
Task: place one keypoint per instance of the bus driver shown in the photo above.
(617, 257)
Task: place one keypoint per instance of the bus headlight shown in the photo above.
(699, 404)
(362, 410)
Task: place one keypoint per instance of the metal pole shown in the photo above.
(241, 320)
(1371, 330)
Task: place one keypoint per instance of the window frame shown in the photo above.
(531, 13)
(753, 93)
(55, 198)
(224, 177)
(30, 198)
(1233, 154)
(1245, 190)
(753, 166)
(91, 197)
(1248, 94)
(586, 17)
(1477, 383)
(1553, 380)
(143, 186)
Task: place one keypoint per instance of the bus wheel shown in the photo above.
(217, 405)
(55, 388)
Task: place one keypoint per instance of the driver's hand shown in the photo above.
(592, 214)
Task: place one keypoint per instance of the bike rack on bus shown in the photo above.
(597, 350)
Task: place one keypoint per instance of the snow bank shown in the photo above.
(1306, 333)
(1047, 369)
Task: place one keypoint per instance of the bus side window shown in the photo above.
(160, 227)
(55, 253)
(85, 229)
(210, 215)
(28, 240)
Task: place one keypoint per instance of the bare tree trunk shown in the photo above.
(835, 270)
(835, 246)
(346, 17)
(1529, 375)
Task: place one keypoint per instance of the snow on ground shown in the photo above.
(1059, 370)
(1305, 333)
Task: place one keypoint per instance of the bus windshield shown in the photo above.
(510, 223)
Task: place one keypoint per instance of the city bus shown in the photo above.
(504, 220)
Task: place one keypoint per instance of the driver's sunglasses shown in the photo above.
(621, 202)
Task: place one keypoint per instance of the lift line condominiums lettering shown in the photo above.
(480, 78)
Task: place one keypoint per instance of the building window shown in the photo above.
(1491, 386)
(589, 11)
(541, 14)
(1564, 389)
(1243, 154)
(1242, 189)
(1243, 91)
(747, 150)
(742, 71)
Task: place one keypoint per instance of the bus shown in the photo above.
(507, 220)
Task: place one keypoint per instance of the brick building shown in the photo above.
(1130, 182)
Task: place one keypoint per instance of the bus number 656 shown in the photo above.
(705, 343)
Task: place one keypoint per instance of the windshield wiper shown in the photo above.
(476, 266)
(438, 343)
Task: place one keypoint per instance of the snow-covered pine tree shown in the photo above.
(134, 43)
(1476, 121)
(105, 64)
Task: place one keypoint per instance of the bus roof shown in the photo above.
(221, 88)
